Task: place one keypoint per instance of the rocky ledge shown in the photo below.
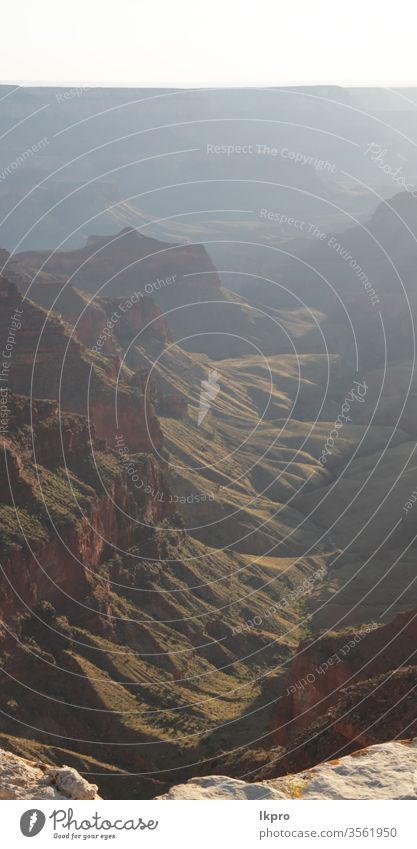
(24, 779)
(384, 771)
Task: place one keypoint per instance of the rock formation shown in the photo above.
(386, 771)
(45, 360)
(21, 778)
(64, 487)
(181, 279)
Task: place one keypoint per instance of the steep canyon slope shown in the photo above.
(201, 505)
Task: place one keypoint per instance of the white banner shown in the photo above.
(209, 824)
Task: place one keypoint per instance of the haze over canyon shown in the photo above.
(208, 416)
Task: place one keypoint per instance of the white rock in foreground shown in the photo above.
(221, 787)
(24, 779)
(384, 771)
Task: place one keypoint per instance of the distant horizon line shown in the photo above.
(210, 85)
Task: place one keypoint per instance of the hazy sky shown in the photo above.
(220, 41)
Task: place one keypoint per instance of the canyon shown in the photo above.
(117, 512)
(208, 431)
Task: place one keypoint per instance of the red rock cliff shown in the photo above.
(324, 667)
(58, 519)
(43, 360)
